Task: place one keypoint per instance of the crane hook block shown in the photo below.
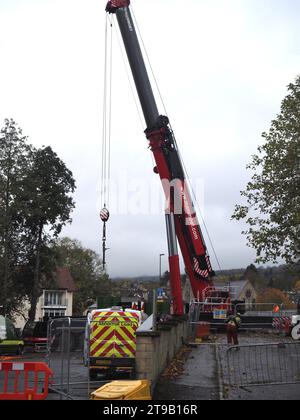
(104, 215)
(113, 5)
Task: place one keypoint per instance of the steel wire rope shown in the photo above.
(176, 145)
(110, 114)
(107, 116)
(106, 132)
(104, 117)
(198, 208)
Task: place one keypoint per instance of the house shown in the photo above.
(243, 290)
(54, 302)
(58, 301)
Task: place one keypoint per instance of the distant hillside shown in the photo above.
(138, 279)
(280, 277)
(146, 279)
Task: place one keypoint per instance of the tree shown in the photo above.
(275, 296)
(86, 269)
(47, 204)
(15, 156)
(35, 203)
(255, 277)
(273, 195)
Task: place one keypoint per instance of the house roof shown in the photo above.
(237, 287)
(64, 279)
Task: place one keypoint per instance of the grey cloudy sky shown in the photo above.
(222, 67)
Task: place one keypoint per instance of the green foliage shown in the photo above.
(86, 269)
(273, 196)
(275, 296)
(280, 277)
(46, 195)
(15, 157)
(35, 203)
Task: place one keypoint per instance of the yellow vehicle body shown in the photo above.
(10, 343)
(112, 340)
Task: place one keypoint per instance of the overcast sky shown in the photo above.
(222, 67)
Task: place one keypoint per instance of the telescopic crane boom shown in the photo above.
(181, 219)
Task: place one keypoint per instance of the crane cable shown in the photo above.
(126, 67)
(176, 145)
(131, 84)
(106, 135)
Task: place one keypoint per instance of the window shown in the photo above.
(54, 298)
(51, 313)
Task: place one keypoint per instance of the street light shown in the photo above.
(160, 255)
(155, 297)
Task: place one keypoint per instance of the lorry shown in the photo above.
(10, 342)
(110, 341)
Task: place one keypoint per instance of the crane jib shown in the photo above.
(183, 226)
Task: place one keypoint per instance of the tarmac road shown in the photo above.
(205, 372)
(200, 380)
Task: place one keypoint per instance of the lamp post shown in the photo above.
(155, 297)
(160, 255)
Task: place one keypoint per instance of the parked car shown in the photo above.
(10, 342)
(35, 335)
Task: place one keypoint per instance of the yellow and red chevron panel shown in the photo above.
(113, 334)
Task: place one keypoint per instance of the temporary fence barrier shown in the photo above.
(24, 381)
(65, 356)
(283, 325)
(263, 364)
(68, 354)
(261, 309)
(269, 316)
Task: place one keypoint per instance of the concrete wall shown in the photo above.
(155, 350)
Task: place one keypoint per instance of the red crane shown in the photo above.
(181, 219)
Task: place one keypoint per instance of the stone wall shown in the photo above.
(156, 349)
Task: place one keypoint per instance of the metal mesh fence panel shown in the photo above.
(263, 364)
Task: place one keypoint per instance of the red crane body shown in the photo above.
(181, 219)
